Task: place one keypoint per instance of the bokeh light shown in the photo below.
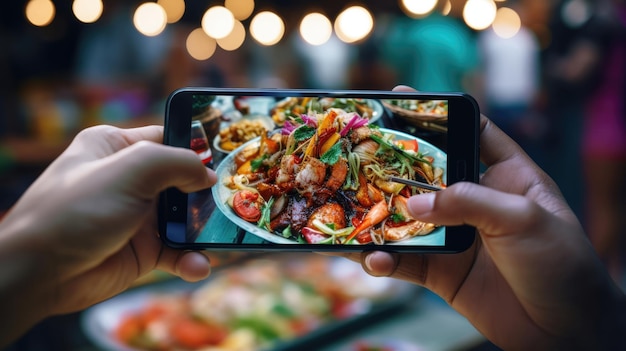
(315, 28)
(175, 9)
(267, 28)
(235, 39)
(353, 24)
(87, 11)
(507, 23)
(418, 8)
(218, 22)
(199, 45)
(150, 19)
(447, 7)
(479, 14)
(40, 12)
(241, 9)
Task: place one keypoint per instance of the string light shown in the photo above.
(150, 19)
(199, 45)
(235, 39)
(418, 8)
(479, 14)
(40, 12)
(241, 9)
(354, 24)
(267, 28)
(316, 28)
(87, 11)
(175, 9)
(218, 22)
(507, 23)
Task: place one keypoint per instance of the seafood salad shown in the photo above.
(324, 179)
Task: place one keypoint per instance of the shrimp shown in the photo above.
(311, 175)
(412, 228)
(289, 165)
(376, 214)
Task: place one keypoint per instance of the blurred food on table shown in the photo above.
(258, 304)
(296, 106)
(238, 133)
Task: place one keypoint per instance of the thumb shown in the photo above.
(521, 237)
(151, 168)
(490, 211)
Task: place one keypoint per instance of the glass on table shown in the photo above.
(200, 142)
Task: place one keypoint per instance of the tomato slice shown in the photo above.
(410, 145)
(194, 334)
(247, 204)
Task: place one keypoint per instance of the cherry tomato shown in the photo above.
(129, 328)
(194, 334)
(247, 204)
(410, 145)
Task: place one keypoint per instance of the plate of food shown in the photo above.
(234, 134)
(429, 114)
(292, 107)
(279, 302)
(326, 181)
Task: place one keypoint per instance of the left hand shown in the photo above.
(86, 229)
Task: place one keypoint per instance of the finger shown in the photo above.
(103, 140)
(379, 263)
(486, 209)
(150, 168)
(403, 88)
(191, 266)
(497, 147)
(150, 133)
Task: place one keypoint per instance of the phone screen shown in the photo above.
(316, 170)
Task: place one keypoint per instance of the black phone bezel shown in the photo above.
(462, 149)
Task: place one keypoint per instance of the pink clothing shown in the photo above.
(605, 124)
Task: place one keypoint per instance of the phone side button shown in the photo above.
(461, 170)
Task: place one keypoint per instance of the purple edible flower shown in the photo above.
(288, 128)
(355, 122)
(309, 120)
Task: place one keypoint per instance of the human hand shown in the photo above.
(86, 229)
(531, 280)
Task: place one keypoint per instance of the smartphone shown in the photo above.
(318, 170)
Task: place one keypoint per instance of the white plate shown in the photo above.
(227, 168)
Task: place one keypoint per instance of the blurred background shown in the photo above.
(548, 72)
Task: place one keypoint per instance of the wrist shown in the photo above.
(26, 284)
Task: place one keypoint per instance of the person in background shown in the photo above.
(86, 229)
(510, 69)
(437, 53)
(604, 143)
(571, 67)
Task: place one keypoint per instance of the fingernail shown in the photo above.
(368, 262)
(421, 204)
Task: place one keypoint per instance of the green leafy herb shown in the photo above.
(258, 162)
(397, 218)
(303, 133)
(415, 157)
(332, 155)
(264, 221)
(287, 232)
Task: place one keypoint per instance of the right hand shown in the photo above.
(531, 280)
